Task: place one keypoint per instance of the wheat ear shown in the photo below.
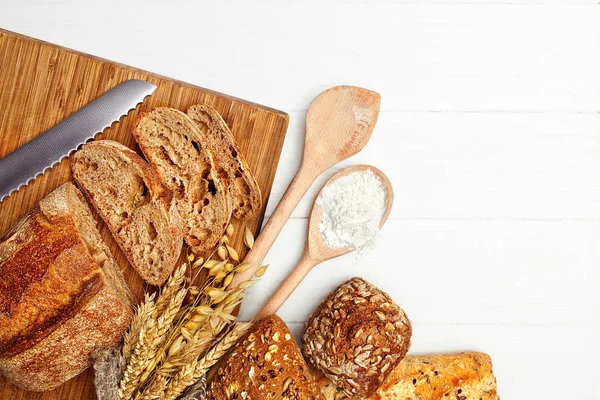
(190, 373)
(134, 369)
(197, 391)
(168, 292)
(159, 333)
(150, 338)
(144, 311)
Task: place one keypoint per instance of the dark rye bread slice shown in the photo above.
(245, 192)
(138, 209)
(183, 158)
(62, 295)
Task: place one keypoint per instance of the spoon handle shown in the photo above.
(287, 287)
(292, 196)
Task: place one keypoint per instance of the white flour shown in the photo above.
(352, 208)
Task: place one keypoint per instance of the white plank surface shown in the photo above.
(489, 133)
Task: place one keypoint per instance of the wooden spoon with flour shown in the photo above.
(317, 249)
(339, 124)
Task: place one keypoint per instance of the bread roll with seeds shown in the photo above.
(62, 295)
(265, 364)
(243, 188)
(458, 376)
(356, 337)
(138, 209)
(183, 158)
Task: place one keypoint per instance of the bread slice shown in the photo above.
(182, 156)
(245, 192)
(463, 376)
(265, 364)
(62, 295)
(139, 211)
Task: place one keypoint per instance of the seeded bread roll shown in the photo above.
(356, 337)
(139, 211)
(62, 295)
(460, 376)
(183, 158)
(265, 364)
(244, 190)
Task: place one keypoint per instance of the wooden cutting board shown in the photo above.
(41, 84)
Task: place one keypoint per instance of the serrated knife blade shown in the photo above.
(45, 151)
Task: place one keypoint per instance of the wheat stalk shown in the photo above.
(190, 373)
(144, 311)
(197, 391)
(156, 389)
(171, 287)
(166, 339)
(159, 333)
(134, 369)
(151, 336)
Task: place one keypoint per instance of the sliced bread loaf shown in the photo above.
(245, 192)
(62, 295)
(139, 211)
(182, 156)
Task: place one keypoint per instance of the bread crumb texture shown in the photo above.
(232, 166)
(185, 163)
(138, 209)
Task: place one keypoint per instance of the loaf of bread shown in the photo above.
(243, 188)
(265, 364)
(181, 154)
(461, 376)
(138, 209)
(62, 296)
(356, 337)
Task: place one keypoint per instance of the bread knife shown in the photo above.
(48, 149)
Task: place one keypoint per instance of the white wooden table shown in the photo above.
(489, 131)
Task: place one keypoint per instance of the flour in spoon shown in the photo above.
(351, 210)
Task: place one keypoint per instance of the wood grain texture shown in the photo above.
(41, 84)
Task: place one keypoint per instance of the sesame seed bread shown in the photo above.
(232, 166)
(265, 364)
(138, 209)
(356, 337)
(183, 158)
(62, 295)
(461, 376)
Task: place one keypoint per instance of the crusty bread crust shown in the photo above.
(356, 337)
(184, 160)
(462, 376)
(245, 192)
(138, 209)
(265, 364)
(61, 293)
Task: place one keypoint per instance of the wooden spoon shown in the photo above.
(339, 124)
(316, 250)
